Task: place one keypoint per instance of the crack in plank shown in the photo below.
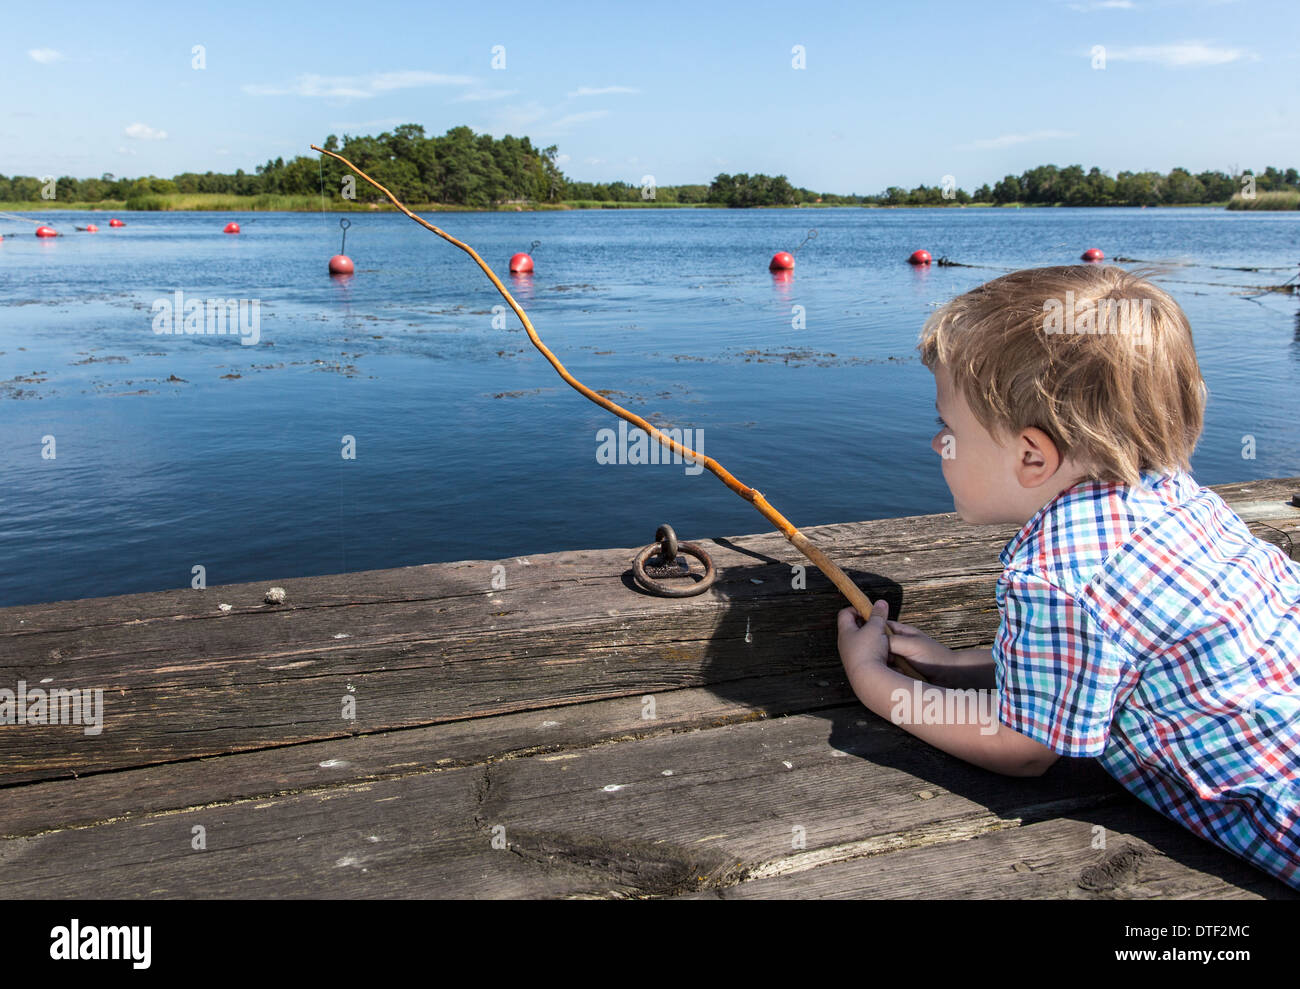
(935, 833)
(628, 867)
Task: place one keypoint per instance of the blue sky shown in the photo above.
(892, 93)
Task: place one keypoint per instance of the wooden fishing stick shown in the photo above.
(800, 542)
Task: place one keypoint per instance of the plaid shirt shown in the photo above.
(1146, 626)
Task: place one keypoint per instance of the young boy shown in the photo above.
(1141, 622)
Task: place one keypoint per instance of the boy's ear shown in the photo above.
(1037, 458)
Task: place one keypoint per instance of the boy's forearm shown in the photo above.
(972, 668)
(967, 668)
(981, 741)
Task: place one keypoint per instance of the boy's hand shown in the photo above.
(941, 666)
(929, 656)
(863, 648)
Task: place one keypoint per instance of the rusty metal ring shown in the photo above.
(667, 540)
(655, 587)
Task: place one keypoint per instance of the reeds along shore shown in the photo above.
(1266, 200)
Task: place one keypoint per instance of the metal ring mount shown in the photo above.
(669, 550)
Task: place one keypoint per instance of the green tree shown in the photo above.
(1007, 190)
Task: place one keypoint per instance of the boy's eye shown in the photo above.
(940, 421)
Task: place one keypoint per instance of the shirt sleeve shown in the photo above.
(1058, 672)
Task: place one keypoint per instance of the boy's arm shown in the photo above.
(967, 668)
(991, 746)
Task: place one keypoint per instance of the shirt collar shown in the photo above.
(1149, 479)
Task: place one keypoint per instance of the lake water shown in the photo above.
(176, 451)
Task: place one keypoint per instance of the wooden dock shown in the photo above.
(563, 736)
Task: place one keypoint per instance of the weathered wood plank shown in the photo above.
(412, 837)
(1263, 499)
(68, 803)
(1145, 857)
(573, 570)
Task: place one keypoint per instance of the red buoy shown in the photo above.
(91, 228)
(231, 228)
(46, 232)
(521, 263)
(919, 257)
(781, 261)
(1093, 254)
(341, 264)
(116, 223)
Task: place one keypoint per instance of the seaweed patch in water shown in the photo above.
(518, 394)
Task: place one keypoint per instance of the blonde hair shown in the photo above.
(1117, 402)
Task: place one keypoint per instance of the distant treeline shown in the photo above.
(1048, 185)
(461, 168)
(476, 170)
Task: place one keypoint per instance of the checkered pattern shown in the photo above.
(1146, 626)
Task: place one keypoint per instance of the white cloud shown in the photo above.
(125, 151)
(601, 91)
(1103, 5)
(1181, 55)
(561, 159)
(539, 119)
(143, 132)
(1006, 140)
(357, 87)
(518, 115)
(482, 95)
(44, 55)
(569, 120)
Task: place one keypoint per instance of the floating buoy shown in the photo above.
(91, 228)
(231, 228)
(46, 232)
(116, 223)
(340, 263)
(919, 257)
(783, 261)
(521, 264)
(1093, 254)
